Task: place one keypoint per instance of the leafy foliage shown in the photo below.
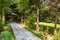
(49, 11)
(6, 35)
(1, 27)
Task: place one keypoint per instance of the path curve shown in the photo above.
(21, 33)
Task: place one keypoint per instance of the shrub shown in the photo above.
(7, 23)
(1, 26)
(30, 22)
(6, 35)
(47, 28)
(57, 36)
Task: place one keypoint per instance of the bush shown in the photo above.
(57, 36)
(1, 26)
(49, 29)
(7, 23)
(6, 35)
(30, 22)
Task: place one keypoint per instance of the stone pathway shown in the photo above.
(22, 34)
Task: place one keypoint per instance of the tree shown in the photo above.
(56, 14)
(30, 4)
(39, 5)
(3, 5)
(21, 6)
(36, 4)
(55, 11)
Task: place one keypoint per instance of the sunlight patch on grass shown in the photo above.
(49, 24)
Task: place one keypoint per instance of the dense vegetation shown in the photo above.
(32, 13)
(6, 32)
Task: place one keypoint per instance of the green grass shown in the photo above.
(38, 34)
(49, 24)
(43, 27)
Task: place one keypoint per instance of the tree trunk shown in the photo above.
(22, 20)
(55, 25)
(3, 17)
(0, 16)
(37, 26)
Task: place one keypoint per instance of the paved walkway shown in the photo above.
(22, 34)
